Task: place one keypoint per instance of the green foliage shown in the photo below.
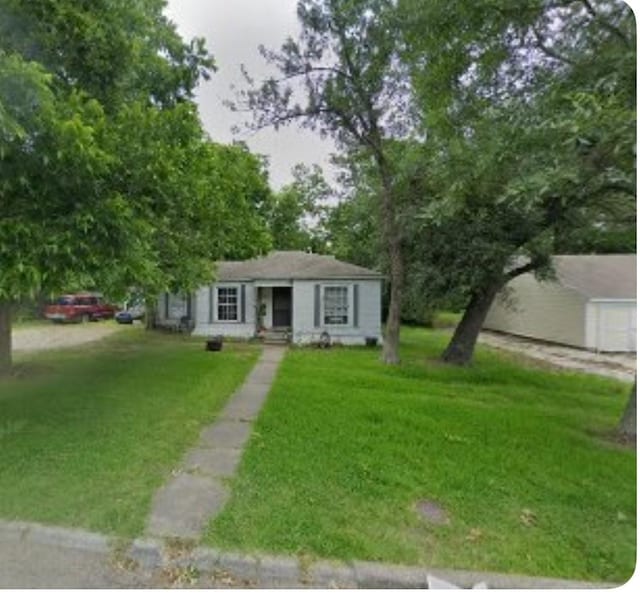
(108, 179)
(344, 77)
(523, 145)
(352, 232)
(241, 180)
(286, 219)
(295, 213)
(24, 90)
(56, 216)
(530, 138)
(115, 50)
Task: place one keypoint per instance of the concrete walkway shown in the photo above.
(198, 490)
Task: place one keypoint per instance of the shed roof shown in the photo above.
(598, 276)
(292, 265)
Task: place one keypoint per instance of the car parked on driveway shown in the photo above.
(79, 307)
(129, 314)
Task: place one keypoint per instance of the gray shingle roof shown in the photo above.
(292, 265)
(598, 276)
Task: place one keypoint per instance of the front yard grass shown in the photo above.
(88, 434)
(346, 446)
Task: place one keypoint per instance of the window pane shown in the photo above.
(336, 305)
(228, 303)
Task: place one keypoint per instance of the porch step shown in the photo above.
(278, 337)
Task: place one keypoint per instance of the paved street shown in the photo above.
(25, 564)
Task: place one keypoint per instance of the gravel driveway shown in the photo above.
(54, 336)
(621, 366)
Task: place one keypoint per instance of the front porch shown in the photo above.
(274, 320)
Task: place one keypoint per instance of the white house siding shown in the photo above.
(540, 310)
(172, 307)
(611, 325)
(206, 310)
(266, 298)
(368, 312)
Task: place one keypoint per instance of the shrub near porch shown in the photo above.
(346, 447)
(88, 435)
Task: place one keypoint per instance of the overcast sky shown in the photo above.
(233, 30)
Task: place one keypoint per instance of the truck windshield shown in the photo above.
(65, 300)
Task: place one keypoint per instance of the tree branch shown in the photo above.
(549, 51)
(532, 265)
(628, 189)
(606, 24)
(308, 70)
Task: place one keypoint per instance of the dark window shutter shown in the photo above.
(189, 306)
(316, 306)
(166, 305)
(243, 303)
(210, 304)
(356, 304)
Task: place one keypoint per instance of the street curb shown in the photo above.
(269, 571)
(59, 536)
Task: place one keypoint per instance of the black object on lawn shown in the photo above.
(214, 343)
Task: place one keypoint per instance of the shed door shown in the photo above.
(617, 327)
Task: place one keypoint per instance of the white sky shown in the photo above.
(234, 29)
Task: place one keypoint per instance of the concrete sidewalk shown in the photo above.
(198, 490)
(45, 560)
(36, 556)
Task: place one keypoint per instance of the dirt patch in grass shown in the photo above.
(432, 512)
(613, 438)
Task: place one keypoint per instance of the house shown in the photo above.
(296, 295)
(591, 304)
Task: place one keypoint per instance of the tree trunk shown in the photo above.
(390, 352)
(462, 344)
(5, 338)
(150, 314)
(627, 425)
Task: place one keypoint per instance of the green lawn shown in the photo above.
(345, 447)
(445, 319)
(87, 435)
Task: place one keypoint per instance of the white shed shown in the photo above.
(591, 304)
(294, 295)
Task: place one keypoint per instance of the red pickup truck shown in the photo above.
(79, 307)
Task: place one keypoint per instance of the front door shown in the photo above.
(281, 306)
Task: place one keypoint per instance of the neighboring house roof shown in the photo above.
(292, 265)
(598, 276)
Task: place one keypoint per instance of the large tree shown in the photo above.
(529, 118)
(58, 219)
(344, 77)
(108, 179)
